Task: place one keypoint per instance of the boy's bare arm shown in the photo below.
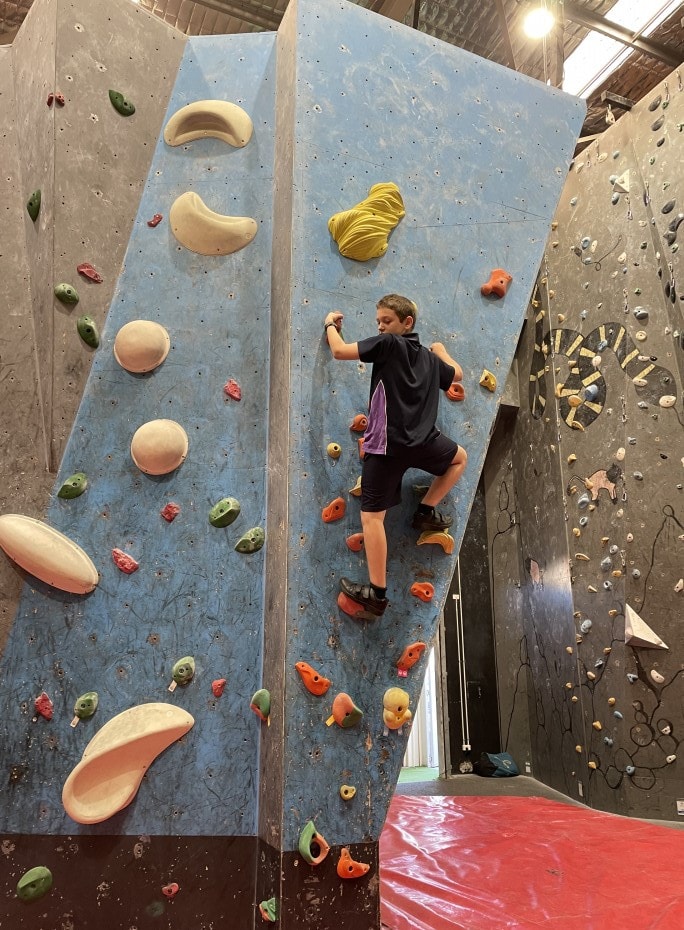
(346, 351)
(441, 352)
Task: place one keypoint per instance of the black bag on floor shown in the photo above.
(496, 765)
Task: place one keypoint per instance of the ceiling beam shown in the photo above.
(392, 9)
(253, 13)
(505, 34)
(584, 17)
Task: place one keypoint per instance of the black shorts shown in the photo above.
(382, 475)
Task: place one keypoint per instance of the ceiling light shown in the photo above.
(538, 23)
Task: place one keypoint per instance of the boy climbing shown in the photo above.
(401, 433)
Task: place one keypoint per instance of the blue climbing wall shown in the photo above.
(193, 594)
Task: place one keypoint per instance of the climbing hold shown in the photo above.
(356, 490)
(572, 458)
(641, 335)
(585, 626)
(218, 686)
(66, 294)
(615, 197)
(679, 586)
(232, 389)
(347, 792)
(115, 760)
(638, 476)
(569, 650)
(622, 184)
(159, 447)
(334, 449)
(655, 103)
(574, 400)
(33, 205)
(182, 672)
(200, 230)
(585, 242)
(578, 748)
(141, 346)
(269, 910)
(616, 713)
(576, 531)
(85, 706)
(87, 270)
(611, 701)
(359, 423)
(632, 678)
(170, 890)
(608, 740)
(156, 220)
(214, 119)
(636, 574)
(409, 657)
(396, 711)
(423, 590)
(573, 201)
(46, 553)
(313, 681)
(592, 765)
(261, 704)
(88, 331)
(456, 392)
(641, 313)
(170, 511)
(74, 486)
(251, 541)
(126, 563)
(591, 589)
(582, 557)
(361, 233)
(606, 564)
(670, 759)
(597, 725)
(497, 284)
(355, 542)
(43, 705)
(591, 676)
(442, 539)
(657, 677)
(335, 510)
(630, 770)
(348, 867)
(668, 207)
(638, 633)
(667, 400)
(225, 512)
(630, 537)
(312, 846)
(488, 380)
(34, 884)
(345, 713)
(121, 104)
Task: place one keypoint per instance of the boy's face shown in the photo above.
(389, 322)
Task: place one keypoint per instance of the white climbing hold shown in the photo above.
(668, 400)
(679, 586)
(657, 677)
(639, 633)
(620, 454)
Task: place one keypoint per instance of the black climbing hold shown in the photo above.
(33, 205)
(655, 103)
(120, 104)
(674, 224)
(670, 237)
(660, 142)
(668, 207)
(658, 123)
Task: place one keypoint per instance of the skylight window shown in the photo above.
(597, 56)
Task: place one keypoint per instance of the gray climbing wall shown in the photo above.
(599, 486)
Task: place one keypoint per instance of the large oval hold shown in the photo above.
(216, 119)
(141, 345)
(108, 776)
(47, 554)
(201, 230)
(159, 446)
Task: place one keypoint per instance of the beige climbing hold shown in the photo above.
(577, 425)
(356, 490)
(591, 676)
(554, 224)
(572, 458)
(641, 335)
(591, 589)
(611, 701)
(569, 650)
(115, 760)
(578, 639)
(667, 400)
(561, 317)
(569, 685)
(588, 484)
(621, 186)
(620, 454)
(592, 765)
(597, 725)
(639, 633)
(630, 537)
(552, 294)
(605, 540)
(575, 400)
(559, 390)
(617, 573)
(488, 380)
(613, 612)
(640, 382)
(679, 586)
(442, 539)
(622, 258)
(215, 119)
(47, 554)
(574, 699)
(607, 650)
(201, 230)
(576, 531)
(141, 346)
(159, 446)
(596, 361)
(657, 677)
(578, 748)
(582, 557)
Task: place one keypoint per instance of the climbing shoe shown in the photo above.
(363, 595)
(435, 521)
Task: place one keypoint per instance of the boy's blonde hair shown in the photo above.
(402, 306)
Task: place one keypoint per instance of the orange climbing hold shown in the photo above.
(442, 539)
(218, 686)
(350, 868)
(352, 609)
(355, 542)
(423, 590)
(334, 511)
(313, 680)
(456, 391)
(409, 657)
(359, 423)
(345, 713)
(361, 452)
(497, 284)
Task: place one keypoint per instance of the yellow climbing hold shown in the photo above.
(442, 539)
(488, 380)
(361, 233)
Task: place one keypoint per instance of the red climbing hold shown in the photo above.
(355, 542)
(59, 98)
(352, 609)
(359, 423)
(456, 391)
(43, 706)
(125, 562)
(218, 686)
(170, 512)
(232, 389)
(156, 220)
(171, 890)
(87, 270)
(409, 657)
(334, 511)
(423, 590)
(497, 284)
(313, 681)
(50, 99)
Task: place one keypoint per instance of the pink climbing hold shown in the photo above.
(156, 220)
(44, 706)
(87, 270)
(171, 890)
(232, 389)
(218, 687)
(170, 512)
(125, 562)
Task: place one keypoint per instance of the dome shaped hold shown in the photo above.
(159, 446)
(141, 346)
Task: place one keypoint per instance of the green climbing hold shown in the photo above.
(312, 846)
(66, 293)
(34, 883)
(120, 104)
(33, 205)
(88, 331)
(74, 486)
(225, 512)
(261, 703)
(251, 541)
(86, 705)
(183, 670)
(269, 910)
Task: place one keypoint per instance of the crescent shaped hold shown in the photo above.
(113, 764)
(46, 553)
(201, 230)
(214, 119)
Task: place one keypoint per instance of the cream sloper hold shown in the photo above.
(47, 554)
(201, 230)
(141, 346)
(115, 760)
(216, 119)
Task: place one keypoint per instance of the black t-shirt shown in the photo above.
(404, 392)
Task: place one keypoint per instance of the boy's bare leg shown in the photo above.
(375, 544)
(442, 484)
